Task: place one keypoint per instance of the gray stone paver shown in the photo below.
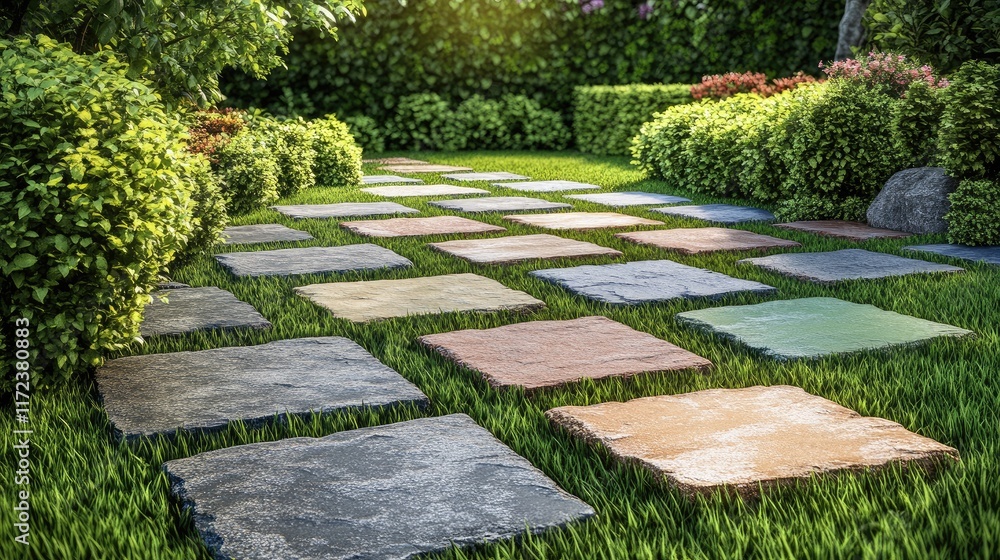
(401, 191)
(855, 231)
(505, 250)
(846, 264)
(343, 210)
(196, 309)
(423, 168)
(629, 198)
(312, 260)
(486, 176)
(405, 227)
(989, 255)
(498, 204)
(381, 179)
(262, 233)
(581, 220)
(548, 186)
(692, 241)
(719, 213)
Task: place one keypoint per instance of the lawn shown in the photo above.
(96, 498)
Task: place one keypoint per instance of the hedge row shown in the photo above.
(606, 118)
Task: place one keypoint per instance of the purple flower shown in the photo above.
(646, 10)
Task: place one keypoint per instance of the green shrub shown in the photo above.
(606, 118)
(423, 121)
(711, 154)
(208, 216)
(974, 218)
(338, 158)
(249, 173)
(658, 147)
(916, 123)
(291, 143)
(366, 133)
(93, 203)
(969, 140)
(530, 127)
(483, 124)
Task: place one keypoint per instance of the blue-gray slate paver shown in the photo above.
(383, 179)
(548, 186)
(196, 309)
(262, 233)
(312, 260)
(498, 204)
(846, 264)
(630, 198)
(989, 255)
(719, 213)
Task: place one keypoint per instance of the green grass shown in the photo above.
(95, 498)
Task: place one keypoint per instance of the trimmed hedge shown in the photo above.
(606, 118)
(337, 160)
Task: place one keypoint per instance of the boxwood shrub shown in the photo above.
(249, 172)
(606, 118)
(291, 143)
(337, 158)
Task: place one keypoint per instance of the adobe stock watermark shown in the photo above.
(22, 449)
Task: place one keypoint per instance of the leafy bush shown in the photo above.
(916, 122)
(606, 118)
(93, 202)
(337, 157)
(970, 126)
(722, 86)
(974, 218)
(212, 129)
(291, 143)
(249, 173)
(530, 127)
(658, 147)
(892, 72)
(366, 133)
(423, 121)
(208, 216)
(482, 123)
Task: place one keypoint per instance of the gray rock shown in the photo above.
(914, 201)
(344, 210)
(262, 233)
(172, 285)
(647, 281)
(197, 309)
(382, 179)
(631, 198)
(989, 255)
(205, 390)
(719, 213)
(386, 492)
(487, 176)
(847, 264)
(499, 204)
(548, 186)
(311, 260)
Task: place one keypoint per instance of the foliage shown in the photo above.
(366, 133)
(943, 33)
(482, 123)
(423, 121)
(974, 217)
(249, 173)
(722, 86)
(208, 215)
(606, 118)
(970, 126)
(916, 122)
(337, 160)
(530, 127)
(538, 48)
(291, 144)
(181, 45)
(894, 72)
(213, 128)
(93, 200)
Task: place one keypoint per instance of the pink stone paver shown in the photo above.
(540, 354)
(855, 231)
(407, 227)
(581, 220)
(503, 250)
(691, 241)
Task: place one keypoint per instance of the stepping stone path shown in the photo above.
(405, 227)
(540, 354)
(647, 281)
(344, 210)
(506, 250)
(990, 255)
(393, 491)
(581, 220)
(198, 309)
(312, 260)
(814, 327)
(380, 179)
(402, 191)
(423, 168)
(548, 186)
(692, 241)
(396, 161)
(488, 176)
(262, 233)
(739, 440)
(630, 198)
(855, 231)
(499, 204)
(847, 264)
(156, 394)
(384, 299)
(719, 213)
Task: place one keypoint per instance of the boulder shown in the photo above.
(914, 201)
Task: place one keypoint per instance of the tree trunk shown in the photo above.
(852, 32)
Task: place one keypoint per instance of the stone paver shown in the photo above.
(395, 161)
(385, 299)
(504, 250)
(390, 492)
(719, 213)
(344, 210)
(158, 393)
(423, 168)
(380, 179)
(855, 231)
(846, 264)
(402, 191)
(487, 176)
(629, 198)
(262, 233)
(197, 309)
(647, 281)
(990, 255)
(692, 241)
(548, 186)
(739, 440)
(311, 260)
(814, 327)
(538, 354)
(499, 204)
(404, 227)
(581, 220)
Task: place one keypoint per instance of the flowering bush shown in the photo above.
(213, 129)
(893, 71)
(721, 86)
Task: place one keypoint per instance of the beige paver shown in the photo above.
(502, 250)
(692, 241)
(407, 227)
(581, 220)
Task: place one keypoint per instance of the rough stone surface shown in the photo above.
(262, 233)
(402, 191)
(647, 281)
(488, 176)
(197, 309)
(499, 204)
(846, 264)
(171, 285)
(386, 492)
(719, 213)
(914, 201)
(630, 198)
(691, 241)
(311, 260)
(502, 250)
(344, 210)
(855, 231)
(423, 168)
(539, 354)
(548, 186)
(582, 220)
(739, 440)
(990, 255)
(814, 327)
(380, 179)
(158, 393)
(384, 299)
(395, 161)
(404, 227)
